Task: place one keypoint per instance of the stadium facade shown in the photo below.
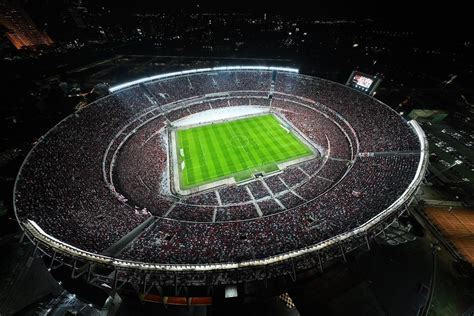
(95, 193)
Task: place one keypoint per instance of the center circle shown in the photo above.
(239, 141)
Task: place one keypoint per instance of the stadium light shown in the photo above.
(199, 70)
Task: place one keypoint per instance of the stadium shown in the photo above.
(217, 176)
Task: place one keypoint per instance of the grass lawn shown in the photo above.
(237, 148)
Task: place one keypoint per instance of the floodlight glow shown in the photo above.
(192, 71)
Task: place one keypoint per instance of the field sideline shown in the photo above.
(237, 148)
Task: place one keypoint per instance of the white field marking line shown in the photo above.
(207, 151)
(273, 131)
(262, 160)
(247, 167)
(244, 164)
(282, 150)
(286, 129)
(281, 140)
(237, 136)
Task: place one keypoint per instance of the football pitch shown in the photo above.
(237, 148)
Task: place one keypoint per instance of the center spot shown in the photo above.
(239, 141)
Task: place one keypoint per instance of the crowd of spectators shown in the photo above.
(199, 107)
(234, 194)
(191, 213)
(292, 176)
(177, 114)
(236, 212)
(193, 85)
(61, 185)
(258, 189)
(275, 184)
(208, 198)
(290, 200)
(260, 101)
(140, 168)
(238, 101)
(313, 166)
(317, 127)
(219, 103)
(377, 127)
(269, 206)
(333, 169)
(313, 188)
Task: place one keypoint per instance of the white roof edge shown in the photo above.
(191, 71)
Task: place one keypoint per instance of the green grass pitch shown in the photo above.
(237, 148)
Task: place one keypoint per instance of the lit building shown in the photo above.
(20, 28)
